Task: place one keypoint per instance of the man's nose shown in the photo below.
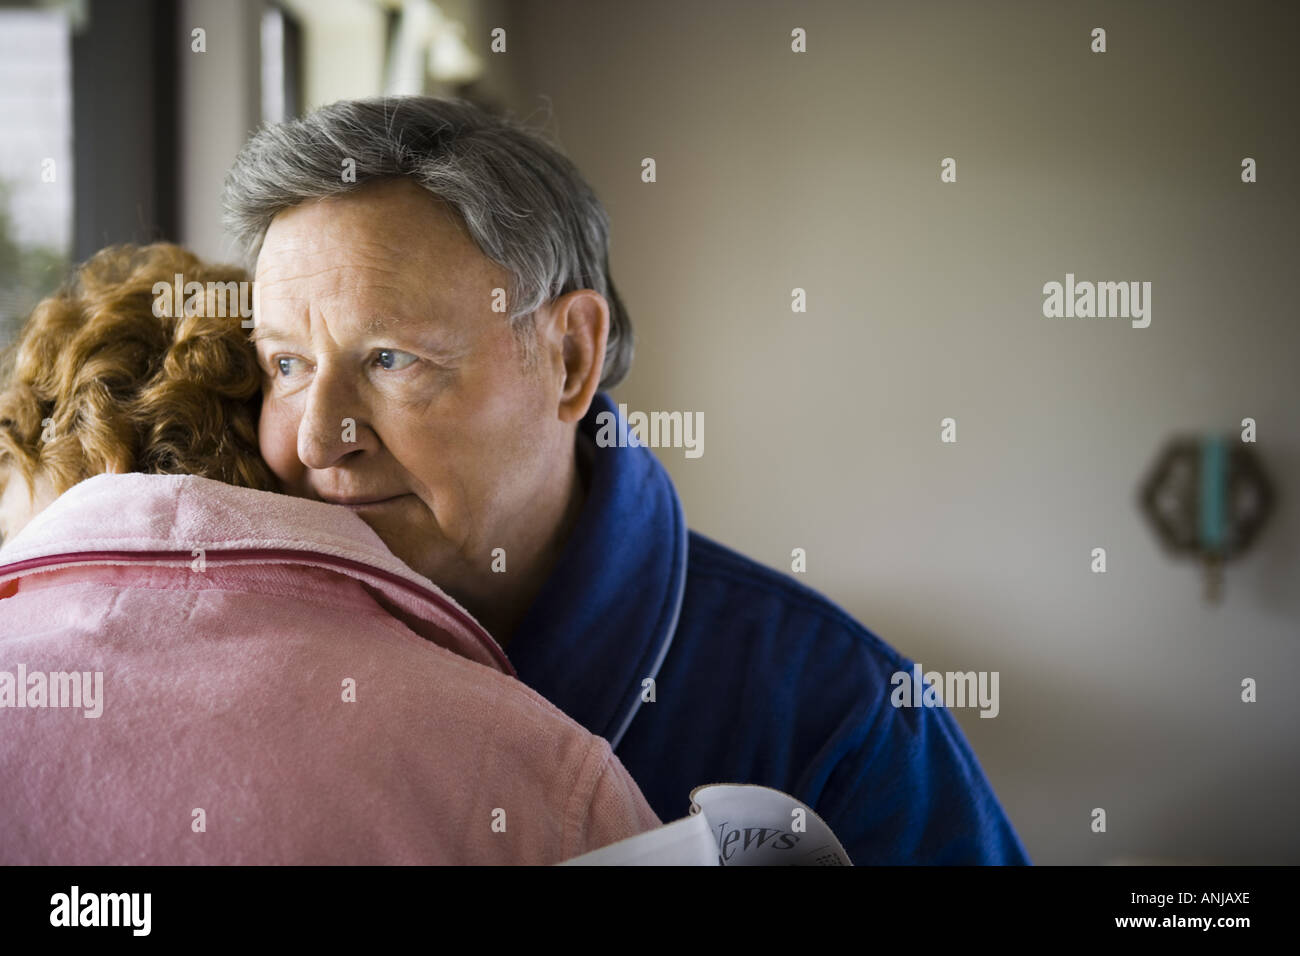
(332, 426)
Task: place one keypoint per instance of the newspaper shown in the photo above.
(730, 824)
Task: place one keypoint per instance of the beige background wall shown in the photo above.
(821, 171)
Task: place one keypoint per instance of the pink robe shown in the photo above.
(292, 695)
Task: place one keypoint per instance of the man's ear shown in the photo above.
(576, 328)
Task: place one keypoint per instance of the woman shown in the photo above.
(195, 669)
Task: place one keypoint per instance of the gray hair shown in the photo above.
(526, 206)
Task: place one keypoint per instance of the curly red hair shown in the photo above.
(96, 382)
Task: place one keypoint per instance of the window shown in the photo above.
(36, 171)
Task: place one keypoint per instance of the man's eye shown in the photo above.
(284, 364)
(392, 360)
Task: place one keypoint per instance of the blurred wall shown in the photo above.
(821, 171)
(220, 106)
(343, 49)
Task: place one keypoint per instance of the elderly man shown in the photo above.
(438, 328)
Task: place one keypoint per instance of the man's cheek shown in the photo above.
(277, 436)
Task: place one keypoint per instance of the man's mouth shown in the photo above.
(358, 503)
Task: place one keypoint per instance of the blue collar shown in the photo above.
(605, 617)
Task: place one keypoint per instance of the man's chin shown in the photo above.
(401, 531)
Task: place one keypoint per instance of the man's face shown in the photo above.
(376, 307)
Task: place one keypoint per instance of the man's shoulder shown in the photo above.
(762, 599)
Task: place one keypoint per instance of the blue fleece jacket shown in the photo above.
(757, 679)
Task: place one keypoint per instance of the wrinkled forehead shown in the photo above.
(390, 249)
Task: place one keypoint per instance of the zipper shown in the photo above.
(295, 556)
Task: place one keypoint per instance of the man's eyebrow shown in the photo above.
(433, 338)
(261, 334)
